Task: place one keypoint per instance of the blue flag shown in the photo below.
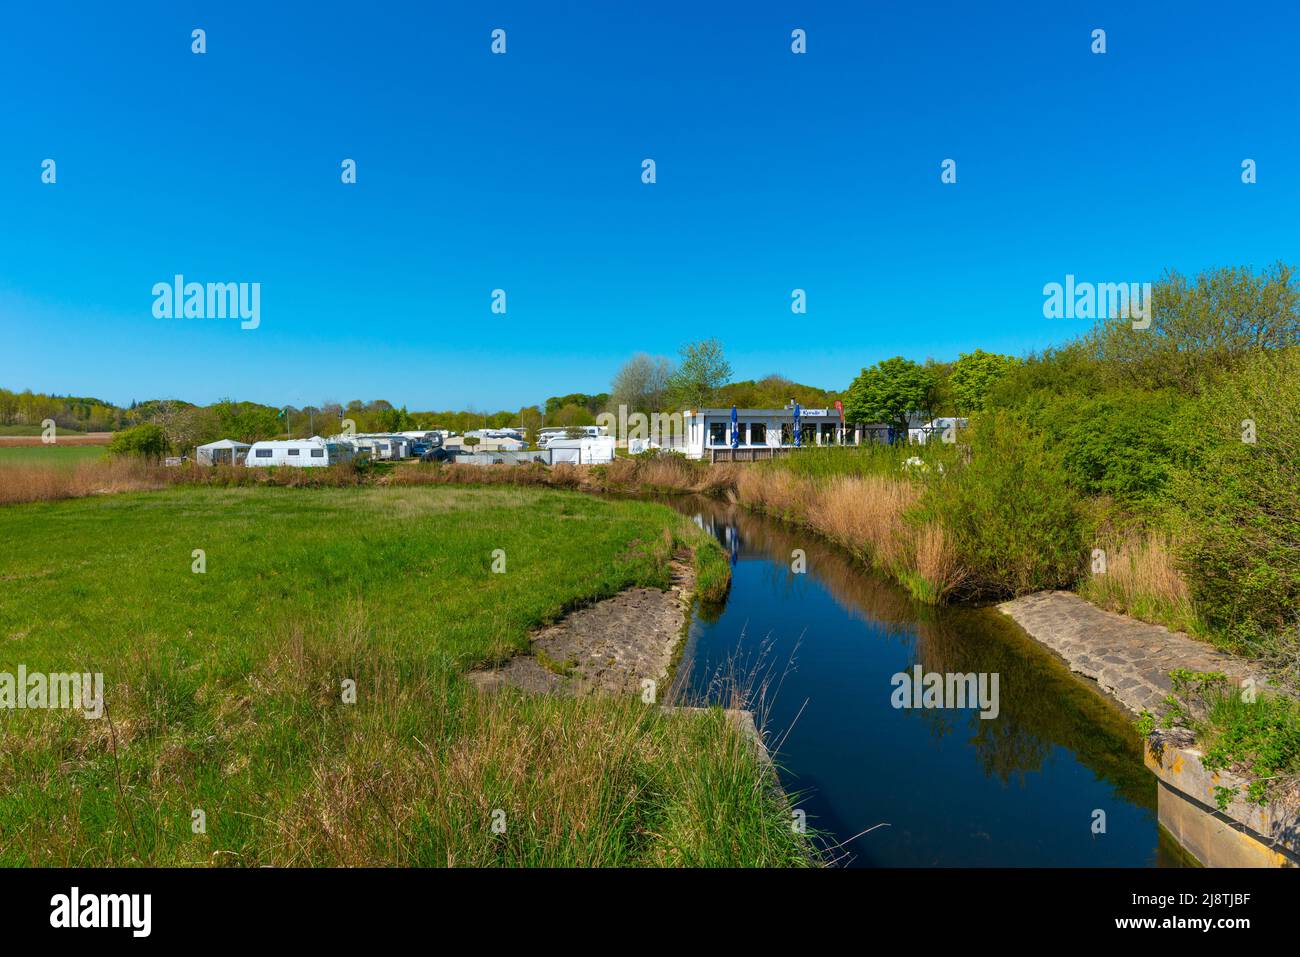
(735, 429)
(798, 430)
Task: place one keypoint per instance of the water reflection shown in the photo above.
(1020, 789)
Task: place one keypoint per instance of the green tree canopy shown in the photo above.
(888, 391)
(974, 374)
(1202, 327)
(702, 372)
(572, 414)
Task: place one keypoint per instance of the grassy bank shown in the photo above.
(225, 690)
(38, 456)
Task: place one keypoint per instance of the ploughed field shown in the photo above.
(283, 683)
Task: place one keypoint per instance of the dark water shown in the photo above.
(819, 650)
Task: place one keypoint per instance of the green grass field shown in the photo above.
(224, 689)
(61, 455)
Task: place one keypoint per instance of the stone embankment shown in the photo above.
(1131, 660)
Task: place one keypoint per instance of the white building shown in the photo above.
(301, 453)
(761, 431)
(944, 429)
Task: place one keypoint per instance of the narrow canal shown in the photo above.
(818, 649)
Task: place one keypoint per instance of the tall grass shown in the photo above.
(650, 472)
(1141, 578)
(33, 481)
(870, 514)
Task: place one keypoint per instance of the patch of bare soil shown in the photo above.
(608, 647)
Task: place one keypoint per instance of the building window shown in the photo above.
(850, 435)
(318, 453)
(828, 433)
(757, 433)
(809, 434)
(717, 433)
(294, 451)
(263, 453)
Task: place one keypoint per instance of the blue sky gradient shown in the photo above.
(522, 172)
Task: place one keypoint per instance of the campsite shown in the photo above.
(746, 442)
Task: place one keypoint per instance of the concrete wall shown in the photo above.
(1242, 835)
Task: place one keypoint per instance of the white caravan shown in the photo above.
(548, 435)
(299, 453)
(589, 450)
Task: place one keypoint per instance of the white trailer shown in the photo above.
(589, 450)
(382, 446)
(297, 453)
(553, 434)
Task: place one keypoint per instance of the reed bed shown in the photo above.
(30, 482)
(1142, 579)
(874, 516)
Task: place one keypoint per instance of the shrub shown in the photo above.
(1009, 511)
(147, 441)
(1124, 444)
(1201, 327)
(1240, 508)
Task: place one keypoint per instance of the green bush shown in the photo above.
(1124, 444)
(1016, 523)
(1240, 503)
(147, 441)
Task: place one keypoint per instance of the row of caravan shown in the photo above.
(319, 452)
(316, 451)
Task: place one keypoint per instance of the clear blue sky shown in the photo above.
(522, 171)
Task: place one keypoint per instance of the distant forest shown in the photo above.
(188, 424)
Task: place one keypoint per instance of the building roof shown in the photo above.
(226, 444)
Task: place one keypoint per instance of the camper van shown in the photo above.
(301, 453)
